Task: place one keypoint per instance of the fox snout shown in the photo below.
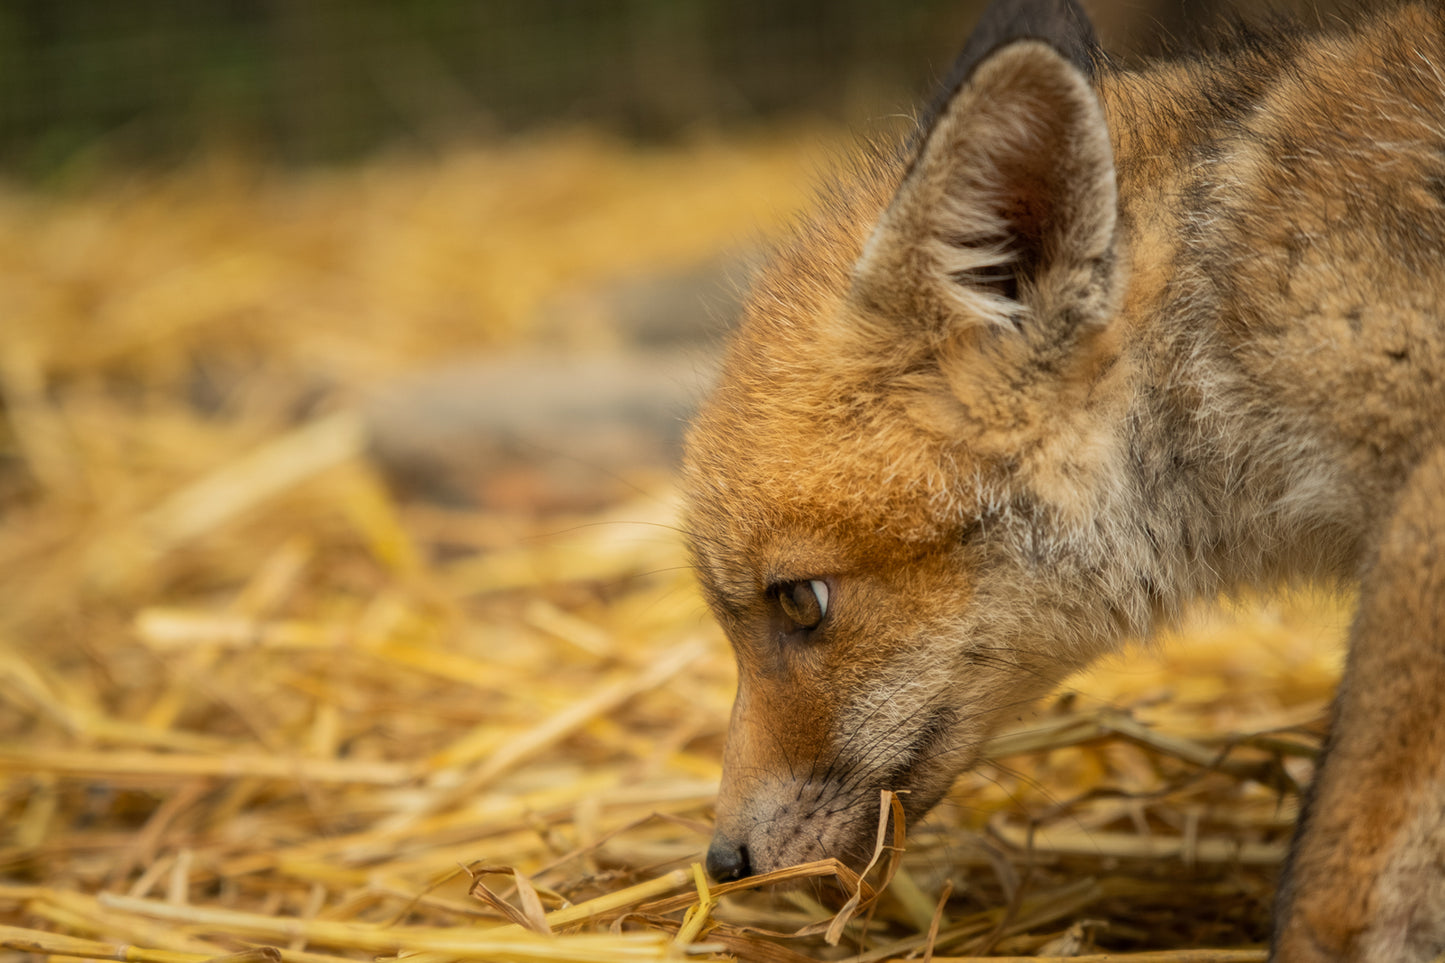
(791, 792)
(807, 785)
(787, 823)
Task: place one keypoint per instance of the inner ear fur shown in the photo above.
(1006, 217)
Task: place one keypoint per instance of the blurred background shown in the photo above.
(88, 82)
(345, 348)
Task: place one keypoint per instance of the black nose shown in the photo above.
(727, 861)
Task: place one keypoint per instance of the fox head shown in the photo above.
(899, 494)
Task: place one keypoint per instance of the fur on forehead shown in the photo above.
(815, 414)
(798, 320)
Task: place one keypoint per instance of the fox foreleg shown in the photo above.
(1366, 878)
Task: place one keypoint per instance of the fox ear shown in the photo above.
(1007, 214)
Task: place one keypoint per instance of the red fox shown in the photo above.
(1093, 343)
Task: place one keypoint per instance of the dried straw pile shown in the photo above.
(252, 701)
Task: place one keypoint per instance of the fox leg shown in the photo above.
(1366, 878)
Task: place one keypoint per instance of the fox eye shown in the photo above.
(804, 602)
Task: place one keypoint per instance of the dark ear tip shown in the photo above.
(1062, 24)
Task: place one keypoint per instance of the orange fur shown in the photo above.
(1103, 342)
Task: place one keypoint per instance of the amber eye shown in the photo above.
(804, 603)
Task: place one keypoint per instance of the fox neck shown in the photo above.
(1222, 488)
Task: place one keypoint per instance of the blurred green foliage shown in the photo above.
(320, 80)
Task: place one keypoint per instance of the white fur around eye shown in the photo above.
(820, 590)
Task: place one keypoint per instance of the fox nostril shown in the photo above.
(727, 862)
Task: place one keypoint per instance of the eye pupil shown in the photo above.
(805, 602)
